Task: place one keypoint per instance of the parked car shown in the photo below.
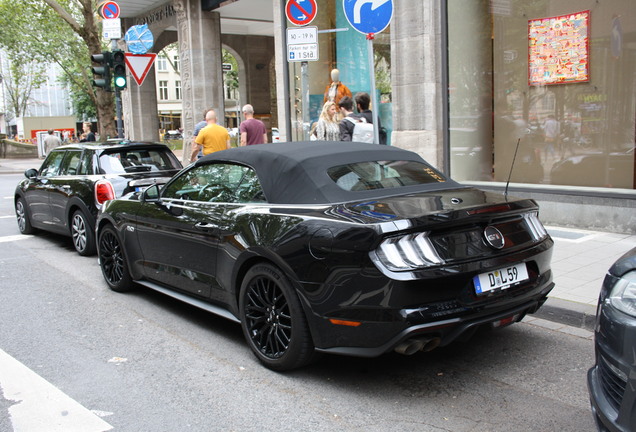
(347, 249)
(612, 380)
(172, 135)
(595, 168)
(65, 194)
(275, 135)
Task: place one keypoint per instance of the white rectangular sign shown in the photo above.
(111, 28)
(302, 44)
(302, 52)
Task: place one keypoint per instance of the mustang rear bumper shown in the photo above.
(445, 331)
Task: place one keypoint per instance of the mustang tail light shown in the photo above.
(104, 191)
(408, 252)
(535, 226)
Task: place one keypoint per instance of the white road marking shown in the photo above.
(40, 406)
(12, 238)
(7, 217)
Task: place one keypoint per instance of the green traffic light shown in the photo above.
(120, 82)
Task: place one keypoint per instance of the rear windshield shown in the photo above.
(374, 175)
(136, 160)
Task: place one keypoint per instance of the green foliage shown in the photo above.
(31, 29)
(231, 77)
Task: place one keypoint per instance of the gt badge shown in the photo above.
(494, 237)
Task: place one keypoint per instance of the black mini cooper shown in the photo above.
(68, 190)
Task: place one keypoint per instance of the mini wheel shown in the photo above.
(24, 220)
(272, 319)
(82, 233)
(112, 261)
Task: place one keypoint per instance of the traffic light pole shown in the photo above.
(120, 130)
(118, 106)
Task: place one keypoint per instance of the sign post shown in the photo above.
(370, 17)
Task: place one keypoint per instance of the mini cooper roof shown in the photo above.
(296, 172)
(110, 144)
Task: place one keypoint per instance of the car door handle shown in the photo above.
(204, 226)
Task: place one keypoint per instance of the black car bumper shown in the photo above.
(439, 333)
(612, 380)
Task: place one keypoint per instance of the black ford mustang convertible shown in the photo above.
(342, 248)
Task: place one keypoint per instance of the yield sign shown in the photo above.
(139, 65)
(301, 12)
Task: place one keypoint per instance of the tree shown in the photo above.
(65, 32)
(19, 78)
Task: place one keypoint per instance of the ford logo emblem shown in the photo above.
(494, 237)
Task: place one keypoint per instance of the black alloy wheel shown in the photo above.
(112, 261)
(82, 233)
(22, 214)
(272, 319)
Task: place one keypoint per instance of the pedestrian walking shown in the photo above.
(253, 130)
(363, 101)
(551, 130)
(51, 141)
(327, 128)
(197, 129)
(88, 135)
(346, 125)
(211, 138)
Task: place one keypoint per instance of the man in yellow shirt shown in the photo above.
(211, 138)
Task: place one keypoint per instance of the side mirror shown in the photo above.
(151, 194)
(31, 173)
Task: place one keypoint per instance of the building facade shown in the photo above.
(538, 96)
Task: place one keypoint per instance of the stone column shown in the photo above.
(416, 68)
(140, 123)
(201, 59)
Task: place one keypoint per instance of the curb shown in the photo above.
(567, 312)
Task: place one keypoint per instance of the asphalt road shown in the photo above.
(144, 362)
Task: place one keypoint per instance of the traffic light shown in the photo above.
(101, 72)
(119, 69)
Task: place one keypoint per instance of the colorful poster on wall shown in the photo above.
(558, 49)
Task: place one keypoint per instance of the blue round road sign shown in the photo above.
(368, 16)
(110, 10)
(139, 39)
(301, 12)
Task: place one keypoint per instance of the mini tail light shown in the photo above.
(535, 226)
(408, 252)
(104, 191)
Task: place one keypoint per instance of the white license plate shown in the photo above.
(500, 279)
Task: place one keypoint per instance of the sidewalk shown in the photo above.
(579, 262)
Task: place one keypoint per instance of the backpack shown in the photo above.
(362, 131)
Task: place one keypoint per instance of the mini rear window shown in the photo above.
(361, 176)
(136, 160)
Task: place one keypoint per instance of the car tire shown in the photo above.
(24, 219)
(272, 319)
(82, 233)
(112, 261)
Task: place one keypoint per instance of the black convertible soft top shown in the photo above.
(296, 172)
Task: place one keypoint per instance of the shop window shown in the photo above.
(569, 123)
(343, 48)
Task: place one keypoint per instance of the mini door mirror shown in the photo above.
(151, 194)
(31, 173)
